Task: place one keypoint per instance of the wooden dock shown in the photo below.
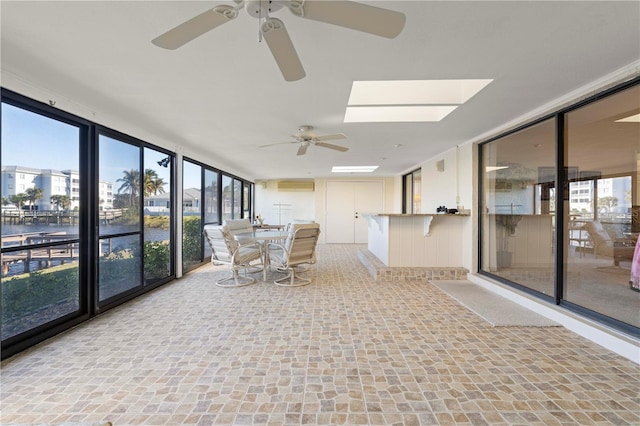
(44, 256)
(37, 217)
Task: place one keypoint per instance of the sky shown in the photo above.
(32, 140)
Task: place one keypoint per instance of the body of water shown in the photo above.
(151, 234)
(18, 267)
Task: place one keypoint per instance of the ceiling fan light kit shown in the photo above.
(356, 16)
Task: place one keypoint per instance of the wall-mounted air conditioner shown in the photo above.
(296, 185)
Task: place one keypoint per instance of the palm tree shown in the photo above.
(153, 183)
(158, 185)
(130, 184)
(61, 201)
(33, 195)
(18, 200)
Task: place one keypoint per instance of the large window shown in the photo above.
(237, 199)
(412, 192)
(225, 197)
(119, 249)
(41, 214)
(211, 202)
(246, 201)
(211, 206)
(517, 180)
(191, 215)
(157, 216)
(569, 229)
(602, 145)
(88, 218)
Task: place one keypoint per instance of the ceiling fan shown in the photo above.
(306, 137)
(348, 14)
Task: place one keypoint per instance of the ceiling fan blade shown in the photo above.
(195, 27)
(332, 146)
(348, 14)
(335, 137)
(303, 149)
(277, 143)
(282, 49)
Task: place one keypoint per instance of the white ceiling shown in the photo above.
(221, 96)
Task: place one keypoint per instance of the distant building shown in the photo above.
(17, 179)
(583, 194)
(160, 204)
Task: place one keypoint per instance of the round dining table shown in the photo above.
(263, 238)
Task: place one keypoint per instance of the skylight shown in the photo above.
(353, 169)
(408, 100)
(631, 119)
(369, 114)
(494, 168)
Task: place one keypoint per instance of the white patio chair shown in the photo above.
(239, 228)
(226, 250)
(299, 248)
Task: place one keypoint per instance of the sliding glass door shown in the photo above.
(603, 207)
(41, 213)
(560, 208)
(119, 224)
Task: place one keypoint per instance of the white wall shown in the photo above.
(450, 187)
(454, 187)
(311, 205)
(300, 205)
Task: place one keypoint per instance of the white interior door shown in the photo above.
(340, 212)
(368, 199)
(345, 203)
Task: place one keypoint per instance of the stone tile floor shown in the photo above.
(343, 350)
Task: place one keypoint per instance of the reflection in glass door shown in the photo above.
(518, 182)
(603, 141)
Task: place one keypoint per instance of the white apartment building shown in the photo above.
(583, 194)
(17, 179)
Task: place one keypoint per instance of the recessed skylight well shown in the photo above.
(353, 169)
(408, 100)
(415, 92)
(631, 119)
(495, 168)
(372, 114)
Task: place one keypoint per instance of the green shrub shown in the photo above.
(156, 259)
(29, 292)
(161, 222)
(191, 240)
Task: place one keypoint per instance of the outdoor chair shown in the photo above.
(242, 229)
(299, 248)
(604, 245)
(226, 250)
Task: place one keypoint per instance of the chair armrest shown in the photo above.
(280, 253)
(251, 245)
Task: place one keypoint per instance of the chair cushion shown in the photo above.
(245, 255)
(240, 226)
(301, 243)
(229, 240)
(237, 226)
(215, 238)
